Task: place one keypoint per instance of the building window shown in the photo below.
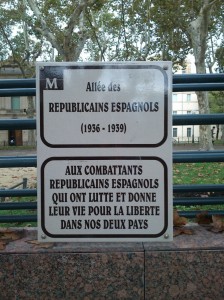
(174, 97)
(188, 97)
(175, 112)
(188, 112)
(15, 103)
(188, 132)
(174, 132)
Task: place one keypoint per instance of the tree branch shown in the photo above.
(75, 15)
(45, 31)
(73, 20)
(13, 52)
(207, 5)
(96, 37)
(123, 21)
(198, 30)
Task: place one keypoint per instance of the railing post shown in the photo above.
(24, 183)
(2, 199)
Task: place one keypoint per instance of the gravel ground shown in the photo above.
(10, 177)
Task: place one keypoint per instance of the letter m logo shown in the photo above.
(51, 84)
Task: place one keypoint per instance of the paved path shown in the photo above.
(19, 152)
(195, 147)
(176, 147)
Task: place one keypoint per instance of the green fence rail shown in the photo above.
(181, 83)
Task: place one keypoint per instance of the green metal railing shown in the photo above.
(181, 83)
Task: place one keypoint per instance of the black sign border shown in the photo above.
(86, 236)
(58, 71)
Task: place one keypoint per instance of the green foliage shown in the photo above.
(21, 47)
(219, 54)
(216, 102)
(105, 30)
(146, 30)
(19, 212)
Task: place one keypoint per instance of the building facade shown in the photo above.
(13, 108)
(185, 103)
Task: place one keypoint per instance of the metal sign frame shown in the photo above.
(56, 81)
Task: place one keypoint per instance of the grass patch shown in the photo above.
(200, 207)
(19, 212)
(198, 173)
(17, 147)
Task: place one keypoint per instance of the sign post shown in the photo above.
(104, 151)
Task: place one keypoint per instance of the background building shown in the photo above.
(185, 103)
(13, 108)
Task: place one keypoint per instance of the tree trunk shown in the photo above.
(217, 132)
(222, 129)
(205, 130)
(198, 31)
(30, 115)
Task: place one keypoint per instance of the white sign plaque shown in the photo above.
(104, 151)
